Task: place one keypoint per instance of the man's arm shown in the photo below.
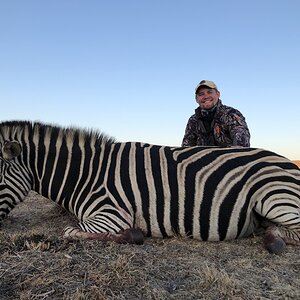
(190, 135)
(239, 130)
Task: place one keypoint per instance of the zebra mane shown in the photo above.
(10, 130)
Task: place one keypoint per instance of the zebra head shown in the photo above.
(13, 184)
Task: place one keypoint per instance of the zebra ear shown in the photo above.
(11, 149)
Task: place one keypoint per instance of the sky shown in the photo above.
(130, 68)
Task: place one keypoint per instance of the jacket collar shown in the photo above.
(204, 113)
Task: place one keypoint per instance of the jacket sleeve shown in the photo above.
(239, 130)
(190, 135)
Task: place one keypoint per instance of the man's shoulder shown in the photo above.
(229, 110)
(193, 118)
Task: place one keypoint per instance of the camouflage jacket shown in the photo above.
(223, 126)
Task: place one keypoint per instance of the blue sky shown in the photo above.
(129, 68)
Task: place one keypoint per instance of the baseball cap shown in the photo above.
(206, 83)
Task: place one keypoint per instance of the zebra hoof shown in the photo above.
(132, 236)
(274, 244)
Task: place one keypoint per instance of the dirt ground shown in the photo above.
(37, 263)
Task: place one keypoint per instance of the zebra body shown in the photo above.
(207, 193)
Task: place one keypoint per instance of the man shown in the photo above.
(213, 123)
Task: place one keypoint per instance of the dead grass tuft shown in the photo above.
(219, 280)
(36, 263)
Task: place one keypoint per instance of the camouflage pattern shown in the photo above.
(222, 126)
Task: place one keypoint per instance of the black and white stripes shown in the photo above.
(207, 193)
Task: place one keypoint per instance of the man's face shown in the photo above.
(207, 98)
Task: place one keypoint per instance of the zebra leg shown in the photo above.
(273, 241)
(110, 224)
(276, 238)
(129, 235)
(281, 218)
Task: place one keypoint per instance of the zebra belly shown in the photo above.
(194, 228)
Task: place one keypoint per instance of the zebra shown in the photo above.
(126, 191)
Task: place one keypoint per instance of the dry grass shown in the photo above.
(36, 263)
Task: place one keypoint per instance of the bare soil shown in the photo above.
(37, 263)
